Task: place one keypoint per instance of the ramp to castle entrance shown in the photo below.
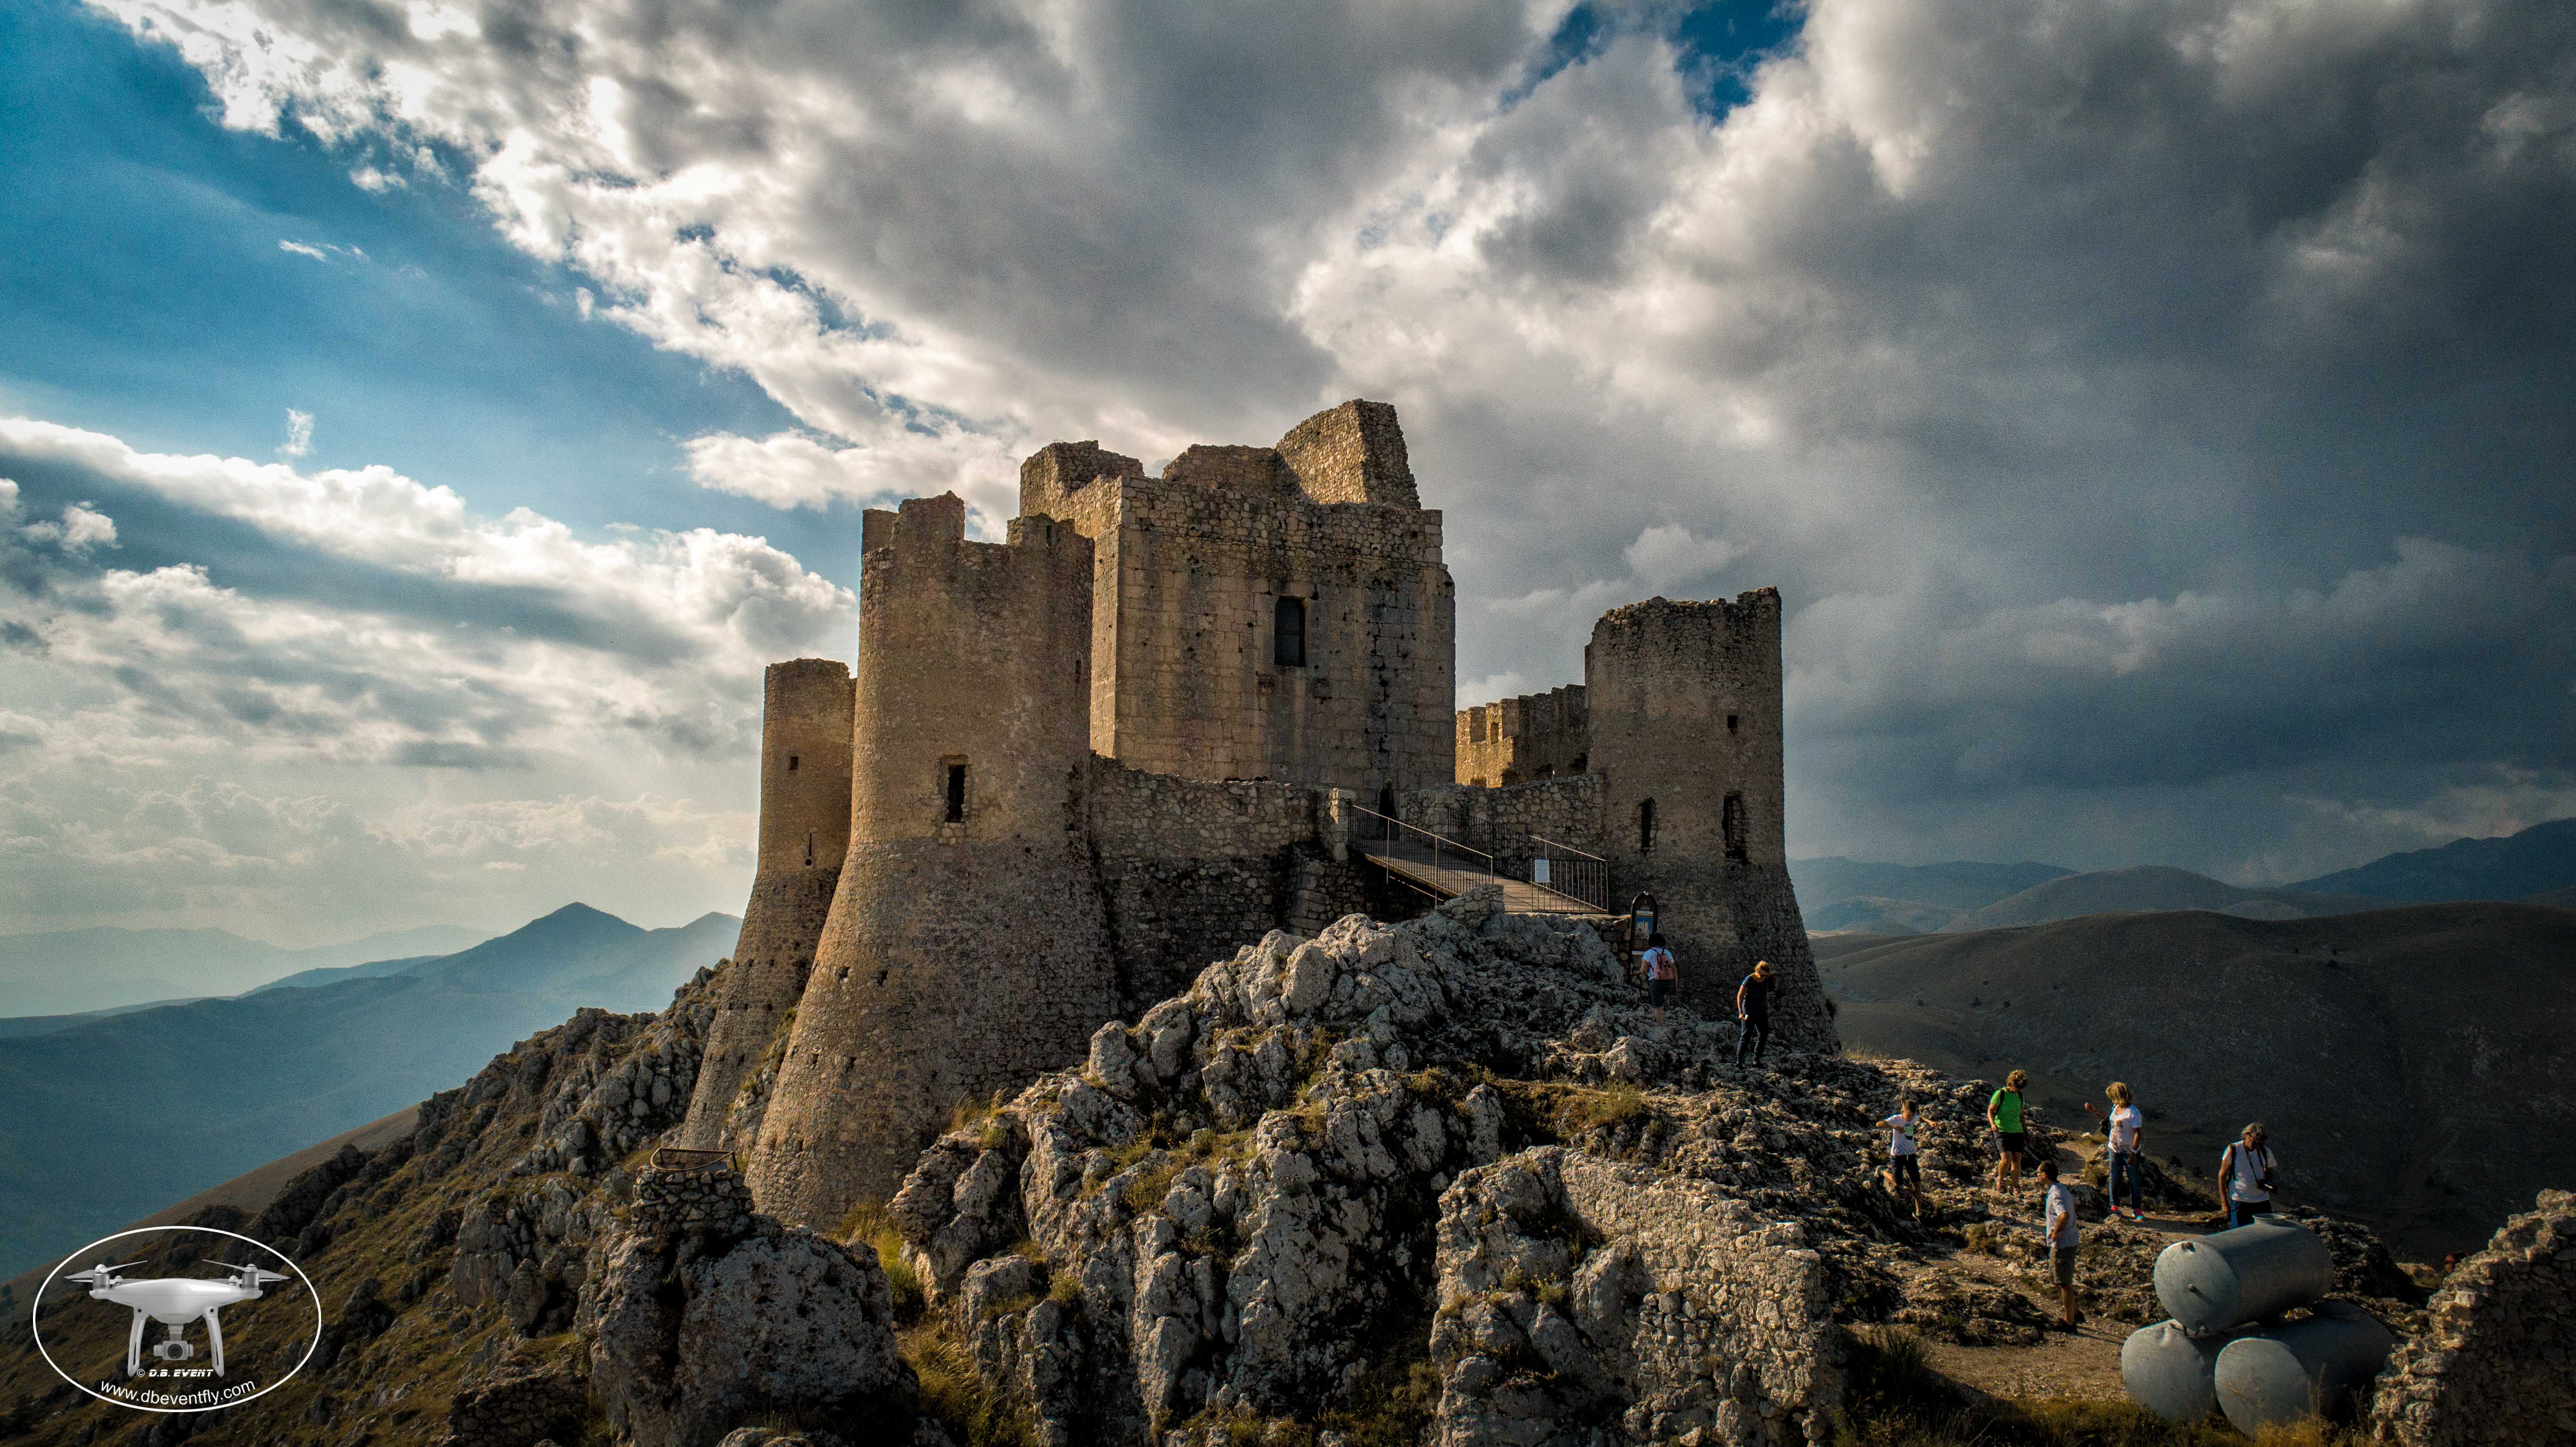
(1444, 868)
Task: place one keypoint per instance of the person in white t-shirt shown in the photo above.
(2057, 1213)
(1904, 1172)
(2248, 1168)
(2120, 1134)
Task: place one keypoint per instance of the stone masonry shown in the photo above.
(1515, 740)
(804, 834)
(2494, 1369)
(1072, 767)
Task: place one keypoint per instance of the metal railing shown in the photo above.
(1571, 871)
(1403, 841)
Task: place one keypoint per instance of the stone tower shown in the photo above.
(1686, 732)
(967, 947)
(804, 831)
(1271, 612)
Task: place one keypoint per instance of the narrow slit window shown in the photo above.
(791, 763)
(1645, 826)
(809, 847)
(1731, 821)
(1288, 632)
(956, 793)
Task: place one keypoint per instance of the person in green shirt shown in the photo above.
(2003, 1113)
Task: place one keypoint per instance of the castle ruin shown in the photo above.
(1162, 718)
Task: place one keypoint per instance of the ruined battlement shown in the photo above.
(1534, 736)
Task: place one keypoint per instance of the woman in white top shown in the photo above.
(1904, 1172)
(2121, 1133)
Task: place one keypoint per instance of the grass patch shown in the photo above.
(869, 1225)
(952, 1393)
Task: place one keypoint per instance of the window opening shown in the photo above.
(791, 763)
(1730, 723)
(1645, 826)
(1288, 632)
(1731, 822)
(809, 846)
(956, 793)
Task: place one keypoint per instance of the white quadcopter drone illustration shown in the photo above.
(175, 1301)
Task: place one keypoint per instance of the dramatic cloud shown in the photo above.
(2153, 413)
(233, 680)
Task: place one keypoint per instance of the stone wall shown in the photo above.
(1188, 572)
(2494, 1368)
(1691, 1319)
(967, 947)
(1190, 869)
(804, 832)
(1535, 736)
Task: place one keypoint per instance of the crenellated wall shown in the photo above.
(1516, 740)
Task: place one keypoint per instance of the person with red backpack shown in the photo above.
(1663, 977)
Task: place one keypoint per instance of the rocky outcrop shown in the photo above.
(780, 1321)
(1261, 1199)
(522, 1404)
(2494, 1367)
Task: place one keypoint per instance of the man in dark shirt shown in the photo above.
(1753, 1012)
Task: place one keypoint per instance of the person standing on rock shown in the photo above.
(1904, 1172)
(1753, 1012)
(2058, 1216)
(2120, 1136)
(2247, 1166)
(2003, 1116)
(1662, 976)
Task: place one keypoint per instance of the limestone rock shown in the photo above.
(781, 1321)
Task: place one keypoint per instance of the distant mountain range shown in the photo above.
(2539, 860)
(1838, 895)
(70, 972)
(109, 1117)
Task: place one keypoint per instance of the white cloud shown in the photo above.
(302, 249)
(299, 434)
(368, 690)
(2061, 343)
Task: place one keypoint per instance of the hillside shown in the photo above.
(69, 972)
(2148, 887)
(1876, 914)
(1333, 1189)
(2514, 866)
(163, 1103)
(2417, 1066)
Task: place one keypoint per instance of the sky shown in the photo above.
(420, 422)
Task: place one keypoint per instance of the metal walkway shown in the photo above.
(1446, 869)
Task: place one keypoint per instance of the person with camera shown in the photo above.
(2250, 1174)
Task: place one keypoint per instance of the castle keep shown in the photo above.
(1166, 716)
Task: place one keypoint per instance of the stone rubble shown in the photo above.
(2495, 1365)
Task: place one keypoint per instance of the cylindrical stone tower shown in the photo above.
(804, 832)
(1686, 734)
(967, 949)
